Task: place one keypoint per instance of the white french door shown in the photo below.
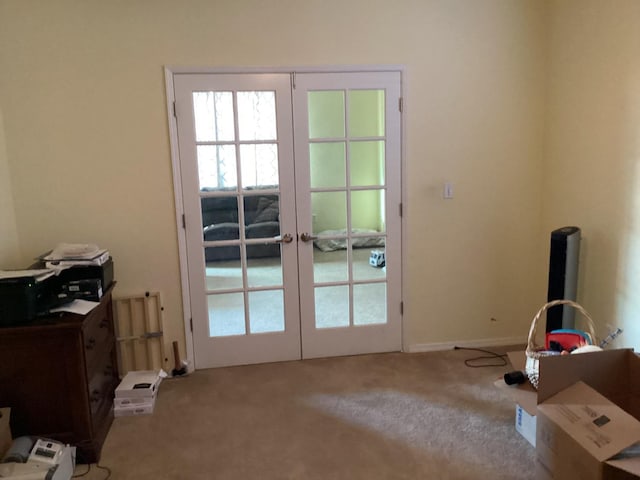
(348, 195)
(291, 190)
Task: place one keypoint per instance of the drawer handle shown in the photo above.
(95, 396)
(90, 344)
(104, 323)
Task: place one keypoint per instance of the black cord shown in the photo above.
(83, 474)
(107, 469)
(490, 355)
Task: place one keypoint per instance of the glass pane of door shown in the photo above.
(226, 314)
(366, 113)
(367, 163)
(257, 115)
(368, 211)
(213, 112)
(332, 306)
(369, 304)
(328, 164)
(326, 114)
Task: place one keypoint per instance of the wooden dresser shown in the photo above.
(58, 375)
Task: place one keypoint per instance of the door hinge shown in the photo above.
(401, 308)
(293, 80)
(184, 221)
(400, 209)
(191, 323)
(174, 109)
(400, 104)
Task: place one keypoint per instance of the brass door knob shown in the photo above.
(286, 238)
(305, 237)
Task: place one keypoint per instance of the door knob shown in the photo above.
(286, 238)
(305, 237)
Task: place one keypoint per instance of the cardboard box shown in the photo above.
(525, 398)
(141, 383)
(5, 431)
(526, 425)
(524, 394)
(132, 401)
(587, 407)
(542, 472)
(581, 433)
(138, 409)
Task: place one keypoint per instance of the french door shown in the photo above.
(291, 190)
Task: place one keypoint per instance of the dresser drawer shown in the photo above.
(101, 386)
(97, 336)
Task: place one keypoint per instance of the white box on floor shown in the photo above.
(132, 401)
(137, 409)
(526, 425)
(141, 383)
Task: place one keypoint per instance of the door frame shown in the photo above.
(169, 72)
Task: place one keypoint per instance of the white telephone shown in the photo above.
(39, 460)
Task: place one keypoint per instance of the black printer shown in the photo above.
(22, 299)
(103, 272)
(86, 282)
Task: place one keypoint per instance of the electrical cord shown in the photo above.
(107, 469)
(83, 474)
(472, 362)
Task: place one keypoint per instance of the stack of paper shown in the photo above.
(136, 394)
(72, 254)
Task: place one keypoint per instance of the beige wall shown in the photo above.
(592, 170)
(9, 249)
(87, 135)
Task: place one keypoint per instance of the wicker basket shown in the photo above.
(534, 352)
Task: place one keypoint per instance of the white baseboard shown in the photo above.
(487, 342)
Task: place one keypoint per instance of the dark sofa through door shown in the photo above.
(220, 222)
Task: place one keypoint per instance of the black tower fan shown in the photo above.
(563, 276)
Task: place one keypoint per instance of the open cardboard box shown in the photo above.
(587, 408)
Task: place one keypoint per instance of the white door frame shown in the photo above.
(169, 72)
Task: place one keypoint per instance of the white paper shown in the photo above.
(74, 250)
(81, 307)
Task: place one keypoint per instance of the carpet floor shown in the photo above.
(266, 308)
(384, 416)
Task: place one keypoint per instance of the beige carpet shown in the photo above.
(266, 309)
(386, 416)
